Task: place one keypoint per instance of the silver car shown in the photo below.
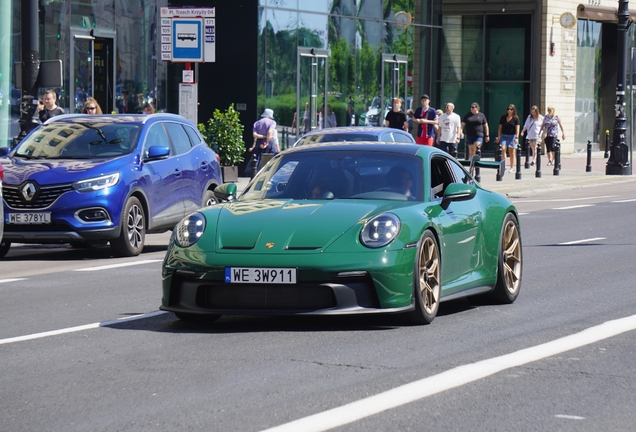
(363, 133)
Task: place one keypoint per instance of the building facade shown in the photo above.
(302, 57)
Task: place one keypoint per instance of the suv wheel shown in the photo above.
(133, 230)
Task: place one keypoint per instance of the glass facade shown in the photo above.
(106, 47)
(485, 59)
(588, 70)
(348, 64)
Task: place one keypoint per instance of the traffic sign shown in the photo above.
(188, 34)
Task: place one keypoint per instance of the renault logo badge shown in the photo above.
(28, 191)
(269, 245)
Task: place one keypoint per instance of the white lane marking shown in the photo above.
(11, 280)
(573, 207)
(78, 328)
(581, 241)
(563, 199)
(569, 417)
(523, 214)
(624, 201)
(452, 378)
(112, 266)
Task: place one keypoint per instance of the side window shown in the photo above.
(179, 137)
(195, 138)
(400, 137)
(156, 136)
(441, 176)
(387, 137)
(461, 175)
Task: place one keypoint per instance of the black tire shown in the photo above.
(4, 248)
(197, 318)
(209, 199)
(427, 282)
(133, 230)
(510, 262)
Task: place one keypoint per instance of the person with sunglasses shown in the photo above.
(508, 134)
(477, 130)
(91, 107)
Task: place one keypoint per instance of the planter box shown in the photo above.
(230, 174)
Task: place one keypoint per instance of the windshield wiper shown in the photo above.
(98, 130)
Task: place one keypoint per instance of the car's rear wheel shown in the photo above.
(133, 230)
(509, 267)
(209, 199)
(197, 318)
(4, 248)
(427, 284)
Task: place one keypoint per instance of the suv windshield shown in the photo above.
(80, 141)
(339, 174)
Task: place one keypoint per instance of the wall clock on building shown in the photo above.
(567, 20)
(402, 20)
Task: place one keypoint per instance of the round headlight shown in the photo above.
(380, 231)
(189, 230)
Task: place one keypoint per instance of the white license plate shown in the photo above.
(29, 218)
(256, 275)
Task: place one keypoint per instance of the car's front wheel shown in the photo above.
(427, 284)
(209, 199)
(133, 230)
(4, 248)
(509, 266)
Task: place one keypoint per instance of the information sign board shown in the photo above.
(188, 34)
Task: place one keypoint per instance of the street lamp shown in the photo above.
(618, 162)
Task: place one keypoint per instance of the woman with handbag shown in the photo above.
(551, 125)
(532, 129)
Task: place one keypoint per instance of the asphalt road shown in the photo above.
(533, 365)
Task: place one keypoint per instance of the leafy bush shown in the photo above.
(223, 132)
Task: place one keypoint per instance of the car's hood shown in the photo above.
(288, 225)
(55, 171)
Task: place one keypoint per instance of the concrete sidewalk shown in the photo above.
(572, 175)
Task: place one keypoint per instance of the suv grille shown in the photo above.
(45, 196)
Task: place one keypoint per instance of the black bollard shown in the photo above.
(518, 163)
(253, 166)
(477, 170)
(527, 145)
(498, 153)
(537, 173)
(607, 145)
(283, 141)
(588, 167)
(557, 158)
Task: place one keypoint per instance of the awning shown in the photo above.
(601, 13)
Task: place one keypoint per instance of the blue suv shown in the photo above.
(91, 179)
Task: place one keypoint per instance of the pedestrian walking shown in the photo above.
(450, 125)
(532, 130)
(477, 131)
(48, 108)
(396, 118)
(262, 131)
(426, 118)
(551, 125)
(508, 134)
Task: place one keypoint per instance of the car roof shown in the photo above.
(375, 130)
(116, 118)
(394, 147)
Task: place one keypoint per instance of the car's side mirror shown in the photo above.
(458, 192)
(158, 152)
(226, 192)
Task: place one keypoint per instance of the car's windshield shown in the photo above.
(336, 137)
(338, 174)
(79, 141)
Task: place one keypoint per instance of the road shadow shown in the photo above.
(66, 252)
(230, 324)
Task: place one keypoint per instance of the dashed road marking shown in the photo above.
(582, 241)
(112, 266)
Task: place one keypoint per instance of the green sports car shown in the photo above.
(346, 228)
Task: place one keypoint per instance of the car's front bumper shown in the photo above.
(376, 282)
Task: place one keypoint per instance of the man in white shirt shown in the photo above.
(450, 125)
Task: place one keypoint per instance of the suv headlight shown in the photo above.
(97, 183)
(189, 230)
(380, 231)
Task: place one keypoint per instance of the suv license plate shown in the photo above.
(260, 275)
(29, 218)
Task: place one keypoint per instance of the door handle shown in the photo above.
(205, 165)
(177, 172)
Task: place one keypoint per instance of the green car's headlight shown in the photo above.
(96, 183)
(380, 231)
(189, 230)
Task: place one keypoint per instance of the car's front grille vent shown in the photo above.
(43, 198)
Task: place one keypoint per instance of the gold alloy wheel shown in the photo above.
(429, 275)
(511, 259)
